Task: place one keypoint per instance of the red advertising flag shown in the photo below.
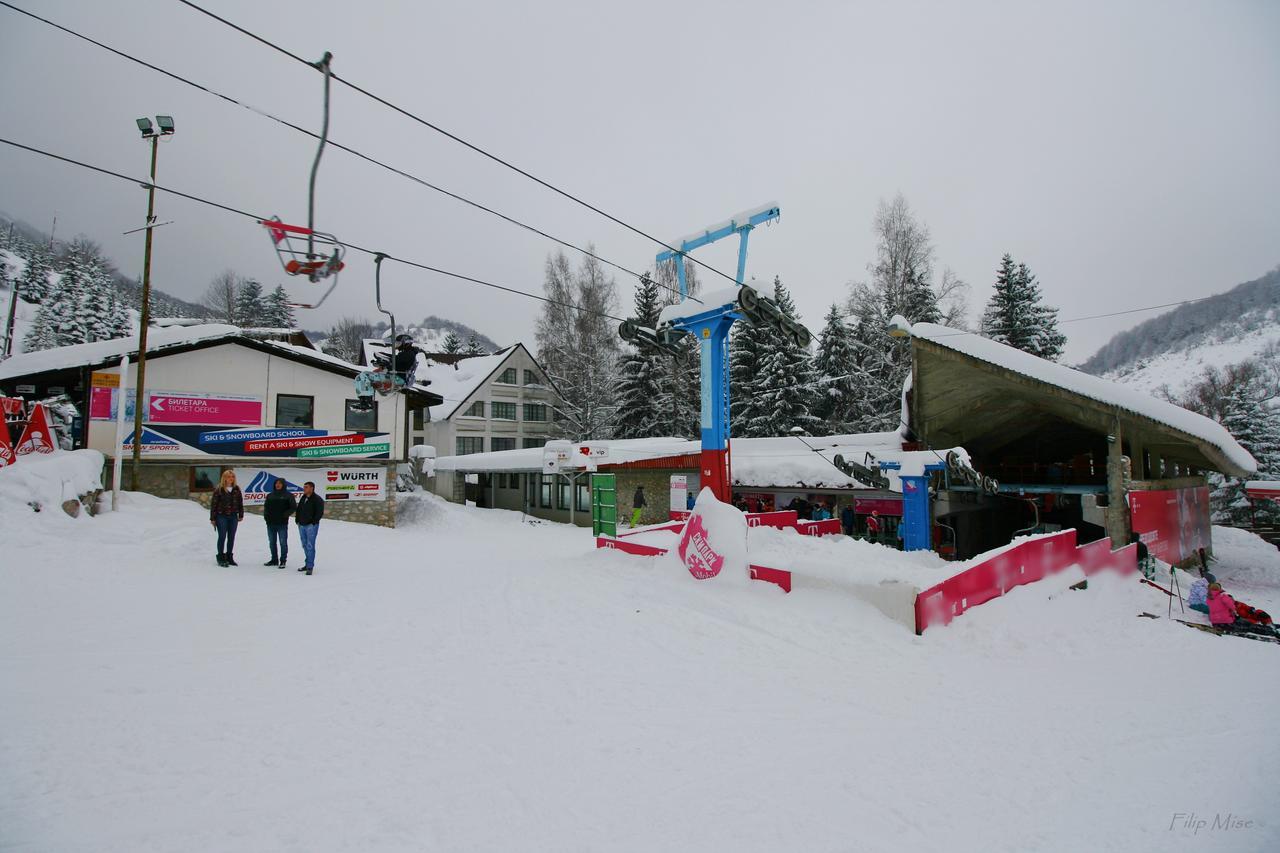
(7, 456)
(37, 437)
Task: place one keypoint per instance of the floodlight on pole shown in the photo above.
(144, 319)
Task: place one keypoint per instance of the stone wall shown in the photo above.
(657, 494)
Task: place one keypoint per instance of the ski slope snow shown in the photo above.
(469, 681)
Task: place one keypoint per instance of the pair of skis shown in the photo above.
(1261, 633)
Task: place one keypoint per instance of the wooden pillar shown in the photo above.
(1157, 467)
(1137, 460)
(1117, 508)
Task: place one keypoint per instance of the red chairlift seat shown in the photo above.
(305, 252)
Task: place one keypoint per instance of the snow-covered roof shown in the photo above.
(787, 461)
(1093, 387)
(100, 352)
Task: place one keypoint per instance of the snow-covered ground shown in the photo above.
(25, 312)
(471, 682)
(1179, 369)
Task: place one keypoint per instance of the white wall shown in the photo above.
(234, 369)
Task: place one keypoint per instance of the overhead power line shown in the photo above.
(455, 138)
(259, 218)
(393, 169)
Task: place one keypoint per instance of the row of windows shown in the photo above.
(467, 444)
(299, 410)
(507, 411)
(509, 375)
(539, 490)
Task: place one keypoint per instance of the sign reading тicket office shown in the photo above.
(176, 407)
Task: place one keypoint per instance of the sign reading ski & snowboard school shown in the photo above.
(286, 442)
(332, 484)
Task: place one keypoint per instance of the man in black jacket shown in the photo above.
(276, 509)
(310, 511)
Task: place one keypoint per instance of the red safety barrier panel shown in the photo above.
(1022, 564)
(774, 576)
(629, 547)
(782, 518)
(679, 514)
(825, 527)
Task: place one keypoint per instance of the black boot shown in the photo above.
(281, 566)
(231, 560)
(302, 568)
(365, 404)
(222, 559)
(271, 562)
(308, 571)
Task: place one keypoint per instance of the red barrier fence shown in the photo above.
(779, 577)
(1024, 563)
(825, 527)
(782, 518)
(1173, 523)
(629, 547)
(674, 527)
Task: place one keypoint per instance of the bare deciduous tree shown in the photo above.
(346, 339)
(220, 297)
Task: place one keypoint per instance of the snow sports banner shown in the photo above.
(179, 407)
(1174, 523)
(333, 484)
(38, 436)
(288, 442)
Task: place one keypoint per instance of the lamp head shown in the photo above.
(166, 125)
(144, 125)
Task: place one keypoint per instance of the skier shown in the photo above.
(389, 373)
(226, 511)
(1222, 607)
(310, 511)
(277, 508)
(638, 503)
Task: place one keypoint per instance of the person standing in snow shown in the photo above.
(847, 518)
(276, 509)
(638, 504)
(873, 525)
(310, 511)
(226, 511)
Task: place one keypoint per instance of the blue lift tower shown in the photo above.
(709, 319)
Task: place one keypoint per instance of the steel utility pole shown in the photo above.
(140, 397)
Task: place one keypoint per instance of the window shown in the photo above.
(503, 411)
(562, 494)
(531, 489)
(535, 412)
(501, 481)
(295, 410)
(419, 417)
(417, 439)
(497, 443)
(508, 376)
(531, 378)
(360, 420)
(544, 498)
(468, 444)
(535, 442)
(204, 478)
(476, 410)
(584, 497)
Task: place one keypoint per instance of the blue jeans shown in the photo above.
(227, 525)
(278, 533)
(307, 533)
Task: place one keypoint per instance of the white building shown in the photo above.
(217, 398)
(489, 403)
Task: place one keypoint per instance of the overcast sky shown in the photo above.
(1127, 152)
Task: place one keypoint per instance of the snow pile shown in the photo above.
(1094, 387)
(713, 544)
(1253, 562)
(45, 480)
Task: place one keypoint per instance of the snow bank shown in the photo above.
(46, 480)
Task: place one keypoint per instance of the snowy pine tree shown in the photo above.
(679, 375)
(250, 307)
(639, 373)
(836, 370)
(452, 343)
(277, 312)
(1015, 315)
(783, 391)
(473, 347)
(1250, 422)
(35, 278)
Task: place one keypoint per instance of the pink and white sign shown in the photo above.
(695, 550)
(168, 408)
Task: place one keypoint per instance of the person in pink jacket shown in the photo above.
(1222, 607)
